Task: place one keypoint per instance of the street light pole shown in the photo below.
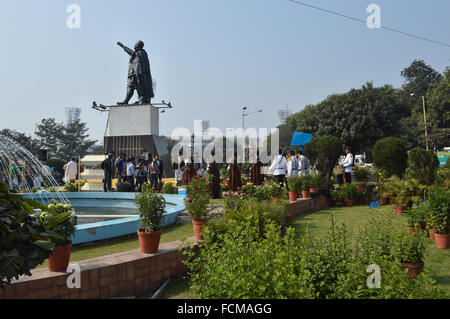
(243, 126)
(425, 122)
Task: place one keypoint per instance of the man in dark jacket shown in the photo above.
(108, 167)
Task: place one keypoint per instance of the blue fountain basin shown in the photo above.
(87, 205)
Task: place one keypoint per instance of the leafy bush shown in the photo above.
(405, 192)
(151, 211)
(59, 218)
(72, 187)
(422, 165)
(362, 174)
(305, 182)
(273, 188)
(409, 248)
(323, 152)
(349, 191)
(439, 213)
(390, 153)
(295, 184)
(169, 188)
(25, 242)
(417, 215)
(443, 176)
(314, 180)
(197, 198)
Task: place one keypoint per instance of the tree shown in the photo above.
(75, 140)
(422, 165)
(50, 134)
(438, 103)
(390, 153)
(358, 118)
(26, 141)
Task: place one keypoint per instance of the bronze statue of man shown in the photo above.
(139, 76)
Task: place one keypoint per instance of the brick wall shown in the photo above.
(130, 273)
(305, 205)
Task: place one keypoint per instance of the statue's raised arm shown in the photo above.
(126, 49)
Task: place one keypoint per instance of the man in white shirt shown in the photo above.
(348, 165)
(131, 173)
(292, 165)
(71, 171)
(304, 164)
(279, 166)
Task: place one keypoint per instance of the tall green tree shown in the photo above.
(50, 134)
(75, 140)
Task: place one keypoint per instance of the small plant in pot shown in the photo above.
(59, 220)
(295, 186)
(275, 190)
(362, 177)
(416, 217)
(314, 182)
(406, 193)
(151, 207)
(409, 250)
(349, 193)
(439, 216)
(305, 182)
(196, 201)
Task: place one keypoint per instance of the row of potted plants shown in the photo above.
(303, 185)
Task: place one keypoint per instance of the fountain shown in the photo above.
(22, 172)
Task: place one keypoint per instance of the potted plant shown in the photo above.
(409, 250)
(349, 193)
(305, 182)
(439, 216)
(314, 182)
(362, 177)
(197, 200)
(406, 193)
(59, 219)
(151, 208)
(336, 197)
(295, 185)
(416, 217)
(274, 190)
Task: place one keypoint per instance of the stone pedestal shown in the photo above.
(133, 130)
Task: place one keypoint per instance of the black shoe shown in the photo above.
(122, 103)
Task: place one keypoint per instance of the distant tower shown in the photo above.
(205, 125)
(72, 114)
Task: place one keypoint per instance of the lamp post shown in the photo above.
(424, 120)
(243, 124)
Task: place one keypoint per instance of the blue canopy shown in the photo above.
(300, 138)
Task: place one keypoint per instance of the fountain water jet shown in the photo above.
(18, 167)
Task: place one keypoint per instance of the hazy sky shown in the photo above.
(209, 57)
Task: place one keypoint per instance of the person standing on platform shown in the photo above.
(303, 164)
(153, 171)
(108, 166)
(121, 166)
(348, 165)
(71, 171)
(131, 173)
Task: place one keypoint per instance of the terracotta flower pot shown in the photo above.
(198, 226)
(276, 198)
(431, 232)
(305, 194)
(314, 190)
(348, 202)
(413, 269)
(399, 210)
(442, 240)
(149, 242)
(59, 258)
(362, 187)
(293, 196)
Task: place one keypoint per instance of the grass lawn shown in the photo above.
(437, 261)
(117, 245)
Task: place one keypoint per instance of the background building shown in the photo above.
(72, 114)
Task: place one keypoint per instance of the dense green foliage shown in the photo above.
(169, 188)
(439, 213)
(390, 153)
(422, 165)
(25, 240)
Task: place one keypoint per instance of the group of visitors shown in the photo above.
(287, 165)
(134, 173)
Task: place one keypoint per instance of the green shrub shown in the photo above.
(59, 218)
(417, 215)
(349, 191)
(409, 248)
(362, 174)
(295, 184)
(390, 153)
(305, 182)
(439, 213)
(422, 165)
(151, 208)
(25, 242)
(72, 187)
(324, 152)
(197, 198)
(169, 188)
